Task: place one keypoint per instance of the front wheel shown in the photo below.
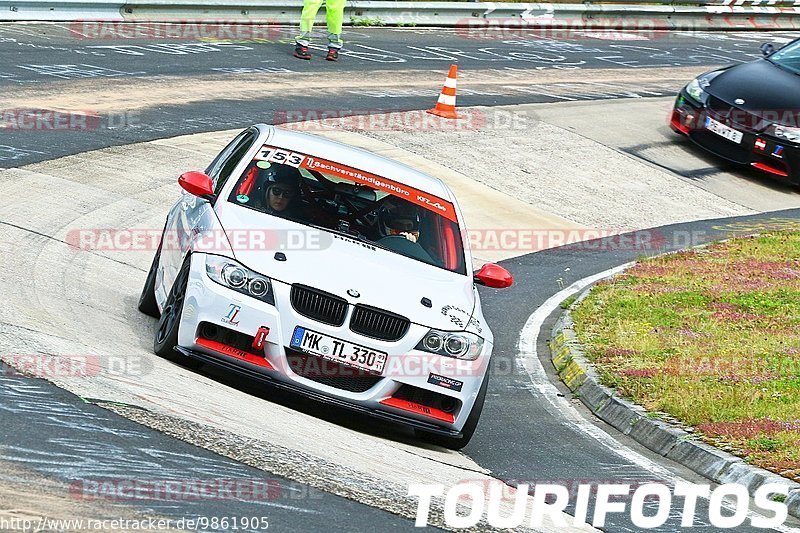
(454, 443)
(167, 331)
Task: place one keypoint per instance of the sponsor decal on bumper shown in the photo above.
(447, 383)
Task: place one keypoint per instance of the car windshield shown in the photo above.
(788, 57)
(344, 200)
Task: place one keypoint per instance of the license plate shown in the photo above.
(337, 350)
(724, 131)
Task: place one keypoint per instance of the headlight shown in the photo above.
(696, 88)
(784, 132)
(231, 274)
(234, 276)
(460, 344)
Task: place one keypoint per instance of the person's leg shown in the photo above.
(307, 16)
(334, 15)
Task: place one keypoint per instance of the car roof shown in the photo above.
(356, 158)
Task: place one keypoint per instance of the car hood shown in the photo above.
(338, 264)
(768, 91)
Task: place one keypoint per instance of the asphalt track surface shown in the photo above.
(496, 71)
(94, 446)
(519, 439)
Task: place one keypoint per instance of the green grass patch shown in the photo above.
(367, 21)
(569, 301)
(710, 337)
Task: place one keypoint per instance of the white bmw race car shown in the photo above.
(329, 271)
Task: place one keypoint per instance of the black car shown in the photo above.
(749, 113)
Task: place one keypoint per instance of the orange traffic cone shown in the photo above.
(446, 105)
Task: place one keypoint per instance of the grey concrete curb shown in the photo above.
(472, 19)
(661, 437)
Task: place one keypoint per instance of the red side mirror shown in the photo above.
(196, 183)
(493, 276)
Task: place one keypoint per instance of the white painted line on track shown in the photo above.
(528, 358)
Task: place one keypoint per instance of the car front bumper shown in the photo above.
(765, 153)
(218, 324)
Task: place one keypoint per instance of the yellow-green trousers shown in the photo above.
(334, 13)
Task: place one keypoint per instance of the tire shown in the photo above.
(166, 337)
(147, 300)
(454, 443)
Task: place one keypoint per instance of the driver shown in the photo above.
(282, 186)
(400, 218)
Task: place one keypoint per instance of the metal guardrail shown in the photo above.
(61, 10)
(739, 3)
(646, 14)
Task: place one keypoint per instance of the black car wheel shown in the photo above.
(166, 337)
(454, 443)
